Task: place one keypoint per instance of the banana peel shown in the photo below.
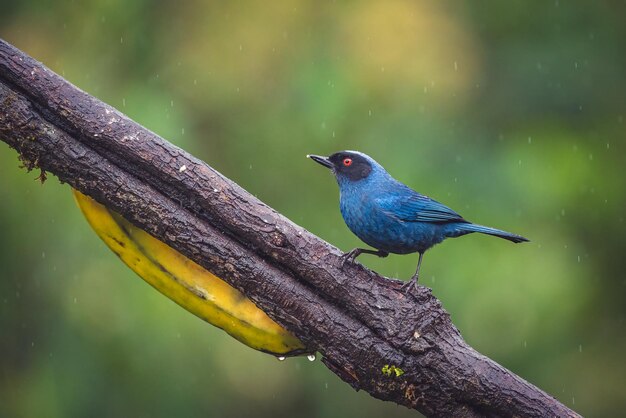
(187, 283)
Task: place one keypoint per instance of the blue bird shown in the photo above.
(390, 216)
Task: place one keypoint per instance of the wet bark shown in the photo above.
(363, 325)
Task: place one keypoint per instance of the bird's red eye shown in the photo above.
(347, 162)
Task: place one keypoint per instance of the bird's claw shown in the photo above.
(409, 286)
(349, 256)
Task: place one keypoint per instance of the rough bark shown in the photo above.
(359, 321)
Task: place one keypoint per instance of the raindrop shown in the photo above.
(311, 357)
(369, 112)
(281, 358)
(171, 103)
(182, 131)
(579, 259)
(121, 40)
(456, 66)
(43, 255)
(525, 344)
(580, 348)
(123, 102)
(530, 139)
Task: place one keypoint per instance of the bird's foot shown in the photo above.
(349, 256)
(410, 286)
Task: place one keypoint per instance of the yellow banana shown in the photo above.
(187, 283)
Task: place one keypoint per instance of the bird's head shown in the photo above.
(348, 166)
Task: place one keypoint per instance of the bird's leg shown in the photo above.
(351, 255)
(412, 283)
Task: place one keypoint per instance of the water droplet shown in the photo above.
(281, 358)
(530, 139)
(456, 66)
(580, 348)
(311, 357)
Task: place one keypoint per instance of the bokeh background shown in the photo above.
(510, 112)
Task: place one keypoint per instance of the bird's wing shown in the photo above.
(415, 207)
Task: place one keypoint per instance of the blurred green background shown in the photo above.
(512, 113)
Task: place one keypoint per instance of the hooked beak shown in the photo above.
(321, 160)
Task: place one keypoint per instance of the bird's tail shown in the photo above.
(469, 227)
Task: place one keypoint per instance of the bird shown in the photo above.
(390, 216)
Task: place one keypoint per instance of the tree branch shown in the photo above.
(359, 321)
